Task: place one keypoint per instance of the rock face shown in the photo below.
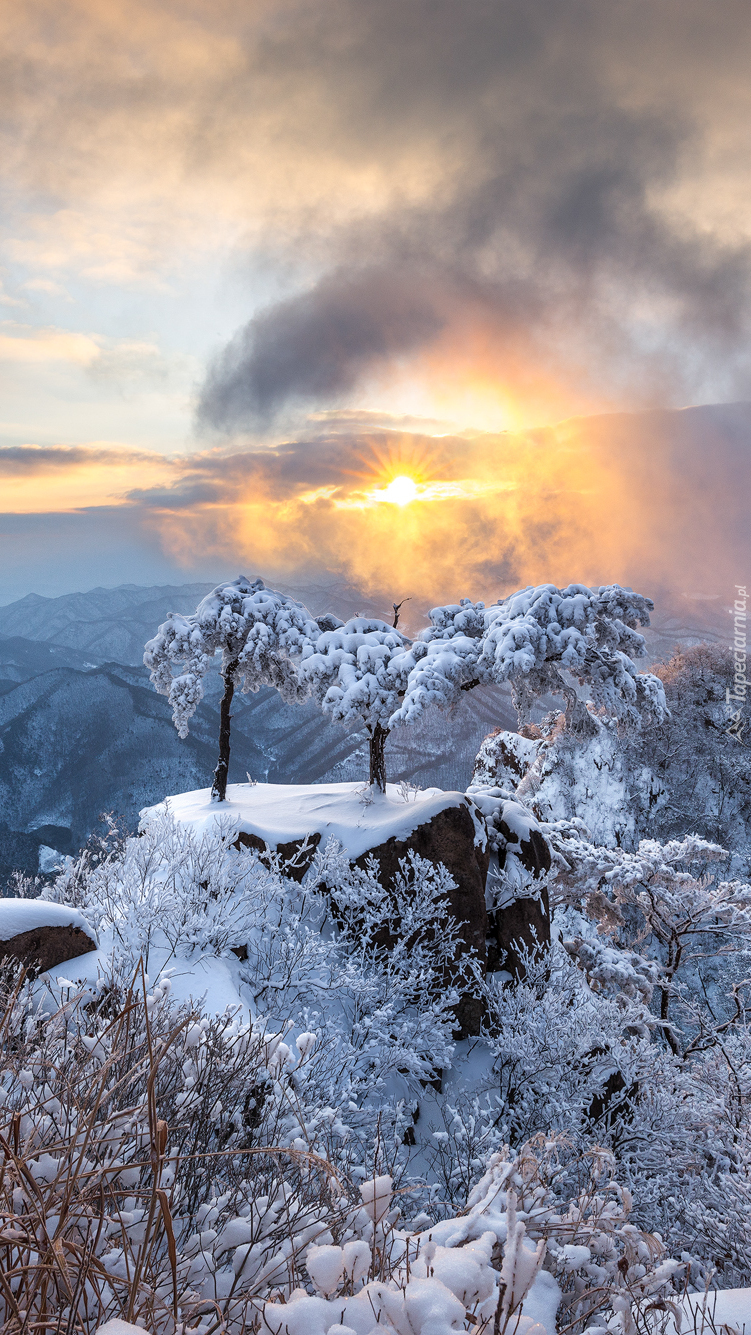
(442, 827)
(520, 928)
(517, 895)
(523, 924)
(41, 934)
(296, 855)
(505, 757)
(449, 838)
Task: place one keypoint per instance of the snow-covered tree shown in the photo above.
(531, 639)
(664, 898)
(358, 672)
(365, 671)
(259, 633)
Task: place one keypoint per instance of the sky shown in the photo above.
(258, 261)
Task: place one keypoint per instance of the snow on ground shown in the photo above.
(25, 915)
(719, 1312)
(203, 980)
(358, 816)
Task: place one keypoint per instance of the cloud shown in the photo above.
(315, 347)
(56, 478)
(548, 241)
(48, 286)
(657, 500)
(560, 188)
(36, 460)
(25, 344)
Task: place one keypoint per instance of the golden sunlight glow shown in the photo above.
(400, 491)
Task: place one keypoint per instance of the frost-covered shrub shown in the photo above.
(684, 773)
(669, 900)
(362, 971)
(702, 765)
(283, 1113)
(144, 1178)
(136, 1166)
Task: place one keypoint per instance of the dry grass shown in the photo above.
(98, 1193)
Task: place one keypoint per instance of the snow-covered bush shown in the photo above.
(687, 773)
(364, 967)
(700, 753)
(321, 1084)
(127, 1191)
(665, 899)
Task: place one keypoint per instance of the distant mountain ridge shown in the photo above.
(109, 625)
(112, 625)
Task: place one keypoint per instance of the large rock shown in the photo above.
(451, 838)
(42, 934)
(505, 758)
(517, 893)
(295, 855)
(443, 827)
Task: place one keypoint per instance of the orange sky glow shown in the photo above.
(257, 265)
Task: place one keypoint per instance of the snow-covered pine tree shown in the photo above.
(259, 634)
(531, 639)
(358, 672)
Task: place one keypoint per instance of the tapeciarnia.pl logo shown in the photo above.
(736, 722)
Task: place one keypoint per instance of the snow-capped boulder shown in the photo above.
(293, 819)
(43, 934)
(504, 758)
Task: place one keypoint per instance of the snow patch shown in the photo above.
(358, 816)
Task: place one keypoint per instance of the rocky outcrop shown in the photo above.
(505, 757)
(295, 855)
(41, 934)
(518, 931)
(516, 893)
(451, 838)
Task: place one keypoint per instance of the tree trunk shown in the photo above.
(377, 756)
(219, 787)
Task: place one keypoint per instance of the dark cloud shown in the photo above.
(569, 179)
(26, 460)
(558, 135)
(315, 347)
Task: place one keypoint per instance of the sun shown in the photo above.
(400, 491)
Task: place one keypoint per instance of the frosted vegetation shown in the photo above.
(541, 639)
(249, 1110)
